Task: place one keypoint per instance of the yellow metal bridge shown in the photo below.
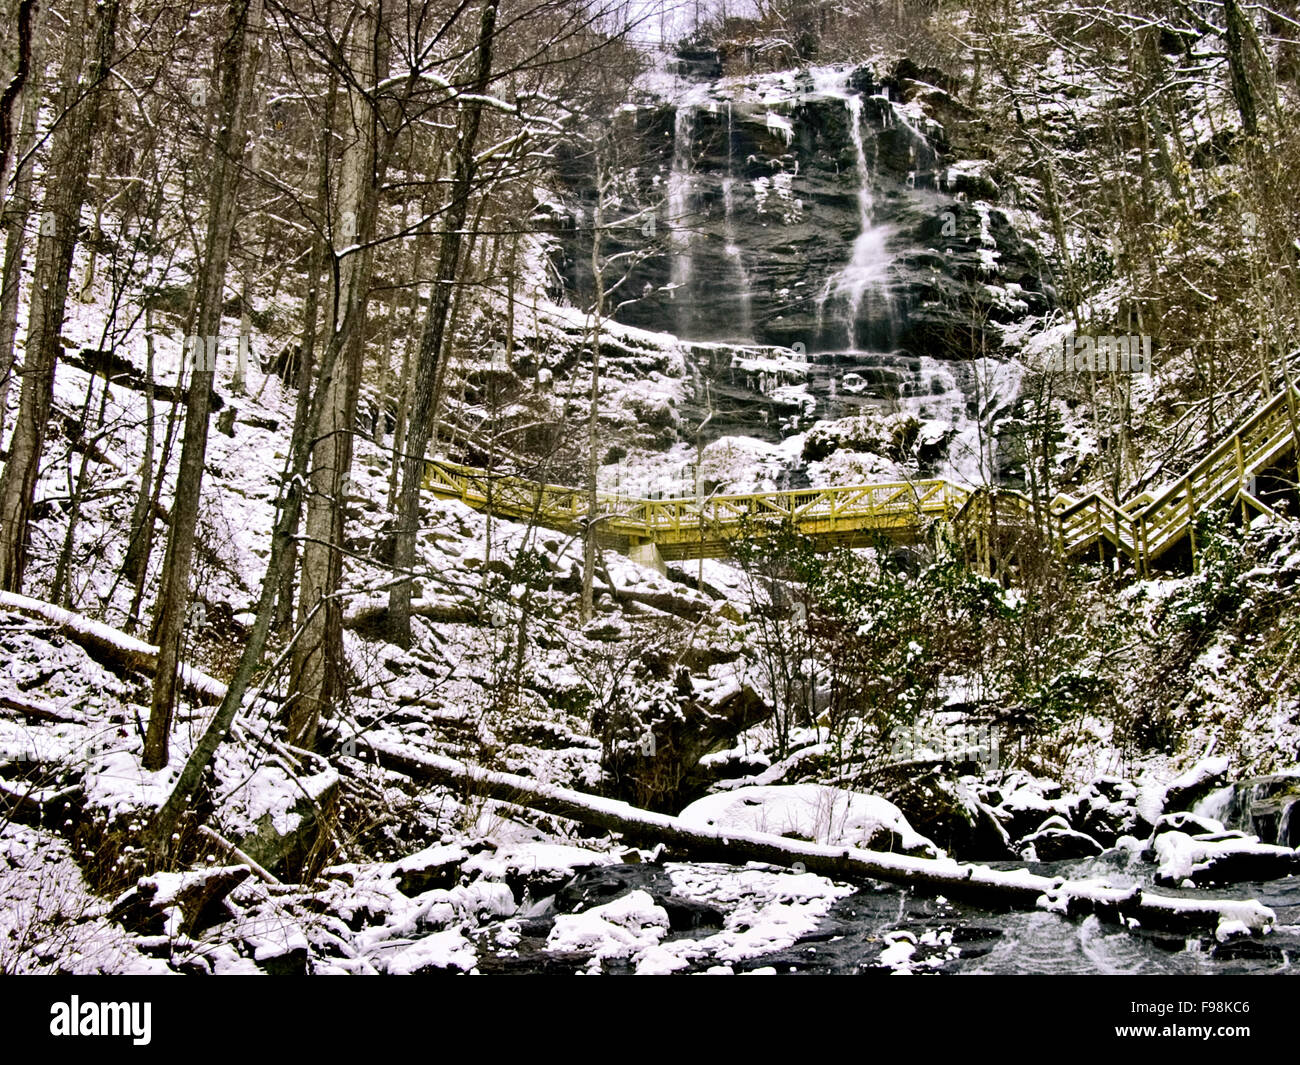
(993, 525)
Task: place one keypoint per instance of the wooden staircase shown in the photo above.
(1149, 526)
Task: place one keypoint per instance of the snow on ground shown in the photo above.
(51, 922)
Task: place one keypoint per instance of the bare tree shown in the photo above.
(88, 59)
(239, 58)
(435, 324)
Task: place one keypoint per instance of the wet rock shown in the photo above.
(1106, 810)
(1187, 823)
(1055, 841)
(1026, 802)
(891, 436)
(1248, 949)
(293, 962)
(1186, 790)
(533, 870)
(433, 867)
(684, 915)
(773, 203)
(949, 814)
(655, 763)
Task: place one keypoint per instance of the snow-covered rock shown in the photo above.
(815, 812)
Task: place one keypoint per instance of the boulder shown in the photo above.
(1055, 842)
(1204, 777)
(816, 813)
(179, 903)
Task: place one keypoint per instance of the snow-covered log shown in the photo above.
(112, 646)
(35, 711)
(372, 614)
(1015, 889)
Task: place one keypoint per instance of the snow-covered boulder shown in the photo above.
(626, 927)
(814, 812)
(1221, 859)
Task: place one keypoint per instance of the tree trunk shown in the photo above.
(1235, 35)
(20, 67)
(317, 672)
(426, 373)
(1013, 888)
(239, 58)
(288, 558)
(19, 209)
(593, 414)
(137, 552)
(70, 159)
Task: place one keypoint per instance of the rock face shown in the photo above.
(1268, 807)
(825, 209)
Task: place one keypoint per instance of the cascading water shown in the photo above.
(739, 214)
(869, 263)
(679, 209)
(953, 401)
(732, 249)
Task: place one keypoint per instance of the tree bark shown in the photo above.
(427, 362)
(317, 672)
(291, 511)
(239, 59)
(142, 517)
(18, 210)
(593, 413)
(25, 66)
(1235, 35)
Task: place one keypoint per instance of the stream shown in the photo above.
(885, 929)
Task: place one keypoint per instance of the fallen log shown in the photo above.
(237, 854)
(371, 615)
(112, 647)
(667, 602)
(35, 711)
(29, 807)
(1008, 889)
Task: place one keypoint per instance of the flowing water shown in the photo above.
(679, 210)
(888, 929)
(734, 253)
(954, 400)
(868, 266)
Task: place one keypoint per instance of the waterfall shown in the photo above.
(734, 255)
(679, 206)
(804, 212)
(869, 263)
(942, 394)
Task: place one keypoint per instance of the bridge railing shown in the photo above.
(688, 514)
(1153, 522)
(804, 507)
(1143, 529)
